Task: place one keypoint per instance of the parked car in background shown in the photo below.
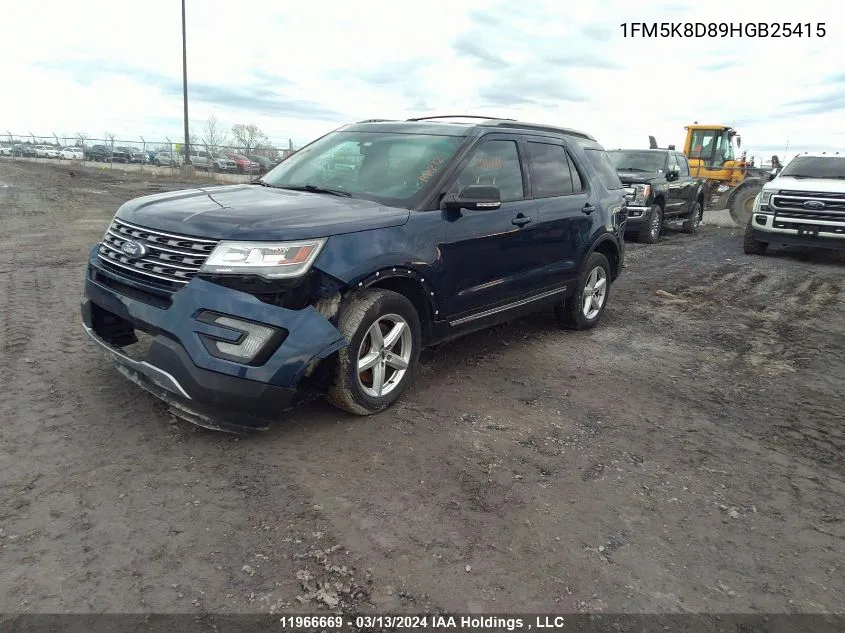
(659, 187)
(24, 150)
(306, 282)
(46, 151)
(167, 159)
(207, 161)
(5, 150)
(72, 153)
(803, 205)
(264, 163)
(244, 164)
(133, 154)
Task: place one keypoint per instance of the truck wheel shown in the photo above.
(750, 245)
(583, 309)
(383, 330)
(650, 232)
(692, 225)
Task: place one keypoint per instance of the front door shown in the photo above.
(488, 256)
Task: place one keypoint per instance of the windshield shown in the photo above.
(387, 167)
(638, 161)
(815, 167)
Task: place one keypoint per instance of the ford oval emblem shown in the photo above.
(133, 250)
(813, 204)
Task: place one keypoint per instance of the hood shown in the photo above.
(253, 212)
(818, 185)
(639, 176)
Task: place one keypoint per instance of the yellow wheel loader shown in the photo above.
(730, 182)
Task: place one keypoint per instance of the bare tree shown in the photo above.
(248, 136)
(81, 138)
(108, 137)
(213, 137)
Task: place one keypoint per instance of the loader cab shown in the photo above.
(712, 151)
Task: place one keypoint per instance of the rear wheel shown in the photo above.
(650, 232)
(584, 309)
(383, 330)
(750, 244)
(692, 224)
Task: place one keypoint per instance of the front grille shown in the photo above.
(171, 260)
(790, 204)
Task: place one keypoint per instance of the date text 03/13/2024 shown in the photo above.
(723, 29)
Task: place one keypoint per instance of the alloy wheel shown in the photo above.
(595, 291)
(384, 355)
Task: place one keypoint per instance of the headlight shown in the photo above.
(642, 194)
(765, 196)
(265, 259)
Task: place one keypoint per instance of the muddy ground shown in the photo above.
(685, 456)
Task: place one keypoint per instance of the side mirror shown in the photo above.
(672, 175)
(771, 176)
(475, 198)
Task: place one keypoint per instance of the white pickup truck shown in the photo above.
(803, 205)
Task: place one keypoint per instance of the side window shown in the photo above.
(495, 163)
(604, 166)
(683, 165)
(551, 173)
(672, 164)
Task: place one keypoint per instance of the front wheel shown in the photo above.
(692, 224)
(650, 232)
(584, 309)
(750, 245)
(383, 330)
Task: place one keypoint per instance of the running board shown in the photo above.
(509, 306)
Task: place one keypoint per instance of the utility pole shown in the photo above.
(185, 87)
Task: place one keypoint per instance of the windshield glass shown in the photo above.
(638, 161)
(387, 167)
(815, 167)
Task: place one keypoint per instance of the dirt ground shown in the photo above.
(684, 456)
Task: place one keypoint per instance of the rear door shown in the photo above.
(564, 207)
(674, 199)
(489, 257)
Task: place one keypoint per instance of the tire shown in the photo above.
(572, 313)
(157, 163)
(354, 390)
(650, 233)
(743, 203)
(750, 245)
(692, 225)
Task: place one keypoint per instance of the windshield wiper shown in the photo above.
(314, 189)
(630, 169)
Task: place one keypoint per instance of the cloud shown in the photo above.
(597, 32)
(259, 96)
(582, 59)
(526, 87)
(467, 45)
(831, 102)
(721, 65)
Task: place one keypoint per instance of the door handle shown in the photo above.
(521, 220)
(588, 208)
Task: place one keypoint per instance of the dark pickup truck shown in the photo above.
(658, 187)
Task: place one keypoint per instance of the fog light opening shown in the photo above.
(249, 346)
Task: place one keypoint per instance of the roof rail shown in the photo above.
(460, 116)
(545, 128)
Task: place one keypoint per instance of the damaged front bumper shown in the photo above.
(183, 367)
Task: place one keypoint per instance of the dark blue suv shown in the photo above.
(329, 274)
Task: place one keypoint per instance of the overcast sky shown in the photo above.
(300, 69)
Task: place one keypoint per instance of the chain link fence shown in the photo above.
(164, 156)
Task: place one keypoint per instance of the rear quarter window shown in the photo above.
(604, 167)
